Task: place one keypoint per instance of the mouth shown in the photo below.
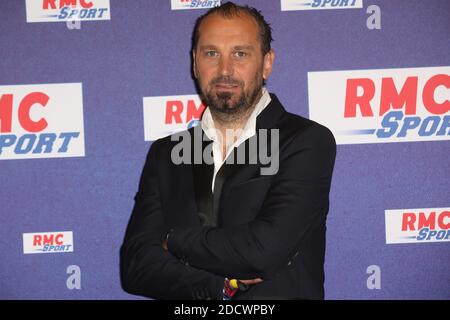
(226, 87)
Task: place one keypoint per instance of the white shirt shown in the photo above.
(249, 130)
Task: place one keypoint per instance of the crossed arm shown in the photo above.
(297, 200)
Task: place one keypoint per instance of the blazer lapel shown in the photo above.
(202, 174)
(225, 171)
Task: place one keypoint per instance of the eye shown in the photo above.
(240, 54)
(211, 53)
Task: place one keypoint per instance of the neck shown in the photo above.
(224, 122)
(230, 126)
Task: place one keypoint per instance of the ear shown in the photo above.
(268, 63)
(194, 64)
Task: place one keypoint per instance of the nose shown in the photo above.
(225, 66)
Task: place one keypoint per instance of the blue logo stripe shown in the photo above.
(356, 132)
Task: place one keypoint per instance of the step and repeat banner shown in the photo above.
(86, 86)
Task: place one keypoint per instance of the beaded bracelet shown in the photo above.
(230, 288)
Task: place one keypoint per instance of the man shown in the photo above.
(220, 228)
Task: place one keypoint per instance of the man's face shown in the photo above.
(229, 64)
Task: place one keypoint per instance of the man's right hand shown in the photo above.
(231, 287)
(252, 281)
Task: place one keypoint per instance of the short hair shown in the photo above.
(229, 10)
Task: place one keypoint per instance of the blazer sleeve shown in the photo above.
(296, 202)
(145, 267)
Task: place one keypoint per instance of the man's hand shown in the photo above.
(246, 282)
(252, 281)
(233, 286)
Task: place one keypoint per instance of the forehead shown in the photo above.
(216, 29)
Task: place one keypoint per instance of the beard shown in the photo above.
(221, 103)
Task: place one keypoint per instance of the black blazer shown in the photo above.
(253, 226)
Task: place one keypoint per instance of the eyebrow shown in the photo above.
(240, 47)
(249, 47)
(207, 47)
